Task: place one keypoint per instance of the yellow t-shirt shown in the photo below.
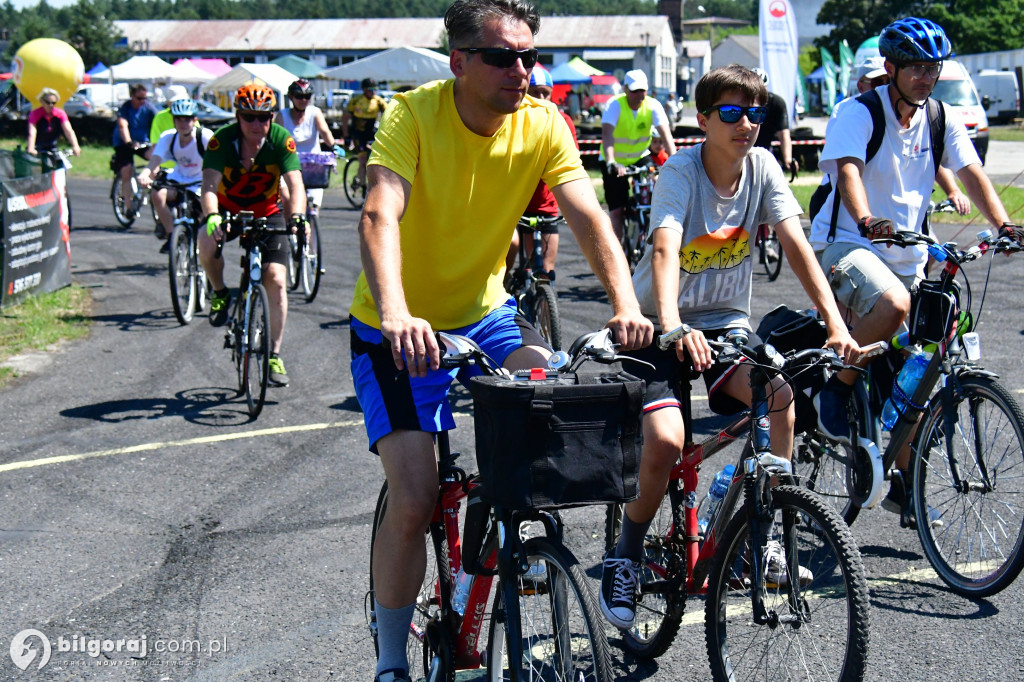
(365, 110)
(467, 194)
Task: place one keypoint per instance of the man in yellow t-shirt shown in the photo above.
(360, 118)
(452, 169)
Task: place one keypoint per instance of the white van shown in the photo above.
(956, 89)
(1000, 87)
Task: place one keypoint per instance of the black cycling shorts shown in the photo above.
(124, 155)
(362, 139)
(616, 190)
(274, 248)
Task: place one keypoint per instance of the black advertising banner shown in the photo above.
(36, 240)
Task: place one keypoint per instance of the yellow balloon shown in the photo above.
(47, 63)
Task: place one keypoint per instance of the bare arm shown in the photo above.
(146, 174)
(608, 142)
(666, 138)
(946, 181)
(208, 198)
(983, 194)
(805, 266)
(594, 234)
(665, 246)
(69, 133)
(122, 128)
(295, 200)
(325, 132)
(30, 146)
(786, 147)
(851, 187)
(346, 120)
(380, 247)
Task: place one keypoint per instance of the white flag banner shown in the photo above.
(778, 42)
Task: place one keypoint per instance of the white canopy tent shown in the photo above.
(187, 72)
(270, 75)
(397, 66)
(145, 68)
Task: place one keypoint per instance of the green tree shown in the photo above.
(94, 35)
(29, 27)
(975, 26)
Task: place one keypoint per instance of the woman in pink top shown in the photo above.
(47, 123)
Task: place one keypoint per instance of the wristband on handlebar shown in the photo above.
(213, 222)
(297, 219)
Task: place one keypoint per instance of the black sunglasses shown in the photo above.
(301, 96)
(183, 118)
(503, 57)
(731, 113)
(262, 118)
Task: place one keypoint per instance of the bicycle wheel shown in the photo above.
(562, 636)
(311, 265)
(183, 281)
(434, 590)
(121, 212)
(544, 314)
(257, 351)
(630, 230)
(294, 262)
(977, 548)
(354, 191)
(824, 636)
(658, 613)
(771, 254)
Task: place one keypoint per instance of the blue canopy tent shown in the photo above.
(565, 73)
(100, 66)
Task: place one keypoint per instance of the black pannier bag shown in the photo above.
(558, 442)
(793, 330)
(932, 311)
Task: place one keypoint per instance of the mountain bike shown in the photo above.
(248, 332)
(756, 618)
(966, 476)
(355, 191)
(543, 623)
(126, 214)
(636, 216)
(187, 277)
(529, 284)
(769, 251)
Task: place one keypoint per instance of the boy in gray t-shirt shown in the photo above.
(707, 205)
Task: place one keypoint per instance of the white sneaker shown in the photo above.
(776, 573)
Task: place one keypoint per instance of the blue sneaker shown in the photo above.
(831, 403)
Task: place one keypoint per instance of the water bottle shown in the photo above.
(904, 387)
(463, 583)
(719, 486)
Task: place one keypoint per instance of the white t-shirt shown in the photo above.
(188, 164)
(717, 232)
(611, 114)
(898, 181)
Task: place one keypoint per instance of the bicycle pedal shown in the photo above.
(228, 341)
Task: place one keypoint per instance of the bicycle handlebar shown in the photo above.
(530, 222)
(948, 251)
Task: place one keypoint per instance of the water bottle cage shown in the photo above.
(900, 397)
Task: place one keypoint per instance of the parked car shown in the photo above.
(999, 94)
(212, 116)
(956, 89)
(79, 105)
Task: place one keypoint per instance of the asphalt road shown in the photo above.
(139, 500)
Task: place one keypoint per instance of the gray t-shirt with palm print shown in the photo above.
(717, 235)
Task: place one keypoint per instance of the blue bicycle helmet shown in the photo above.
(183, 107)
(914, 40)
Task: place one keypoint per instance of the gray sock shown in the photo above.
(392, 635)
(631, 539)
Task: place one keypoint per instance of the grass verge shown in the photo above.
(42, 321)
(93, 163)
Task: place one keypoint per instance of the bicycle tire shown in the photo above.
(558, 612)
(294, 262)
(836, 593)
(120, 212)
(355, 193)
(434, 590)
(544, 314)
(630, 228)
(977, 550)
(658, 615)
(311, 263)
(180, 273)
(771, 255)
(257, 351)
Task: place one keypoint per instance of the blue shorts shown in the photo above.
(393, 401)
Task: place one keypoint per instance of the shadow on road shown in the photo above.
(212, 406)
(147, 321)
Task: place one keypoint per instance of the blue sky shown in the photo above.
(21, 4)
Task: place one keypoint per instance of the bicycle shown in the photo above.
(636, 216)
(769, 251)
(188, 283)
(248, 332)
(967, 437)
(544, 623)
(126, 215)
(56, 159)
(355, 191)
(530, 286)
(756, 618)
(306, 264)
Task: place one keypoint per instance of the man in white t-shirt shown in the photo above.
(889, 193)
(184, 144)
(625, 135)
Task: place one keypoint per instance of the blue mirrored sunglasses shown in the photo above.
(731, 113)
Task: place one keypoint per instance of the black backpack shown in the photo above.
(200, 145)
(936, 124)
